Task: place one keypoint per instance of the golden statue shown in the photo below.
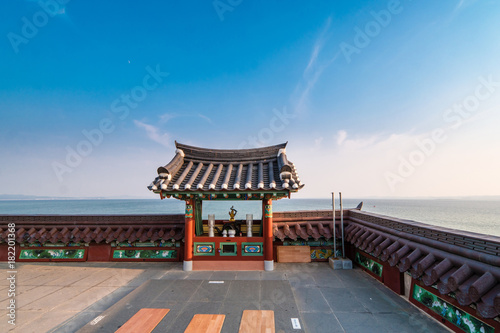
(232, 214)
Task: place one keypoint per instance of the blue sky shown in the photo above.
(392, 98)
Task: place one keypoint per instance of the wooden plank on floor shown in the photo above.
(294, 253)
(257, 321)
(205, 323)
(144, 321)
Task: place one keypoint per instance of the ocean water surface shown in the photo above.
(482, 216)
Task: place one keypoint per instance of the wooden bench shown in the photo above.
(205, 323)
(255, 321)
(144, 321)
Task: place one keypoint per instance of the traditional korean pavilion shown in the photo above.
(197, 174)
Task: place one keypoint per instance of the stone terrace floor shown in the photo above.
(100, 297)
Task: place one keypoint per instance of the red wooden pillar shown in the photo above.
(188, 236)
(267, 220)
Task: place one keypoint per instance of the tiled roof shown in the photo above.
(98, 229)
(463, 263)
(200, 169)
(305, 225)
(304, 230)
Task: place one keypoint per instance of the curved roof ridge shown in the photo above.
(199, 153)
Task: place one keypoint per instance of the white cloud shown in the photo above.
(164, 118)
(154, 133)
(313, 71)
(459, 165)
(206, 118)
(341, 136)
(461, 5)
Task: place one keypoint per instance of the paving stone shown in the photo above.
(121, 277)
(298, 279)
(44, 322)
(272, 275)
(361, 322)
(175, 275)
(52, 300)
(35, 294)
(223, 275)
(180, 290)
(310, 299)
(80, 301)
(375, 300)
(254, 275)
(409, 323)
(199, 275)
(342, 300)
(94, 278)
(276, 291)
(327, 279)
(211, 292)
(316, 322)
(243, 291)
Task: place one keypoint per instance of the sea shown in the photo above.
(474, 215)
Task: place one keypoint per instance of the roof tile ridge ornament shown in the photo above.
(205, 176)
(260, 185)
(216, 177)
(180, 152)
(173, 166)
(193, 176)
(237, 180)
(183, 175)
(272, 182)
(225, 182)
(285, 167)
(298, 183)
(248, 183)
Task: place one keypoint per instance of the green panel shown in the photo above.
(52, 254)
(252, 249)
(229, 253)
(144, 244)
(144, 254)
(451, 313)
(321, 253)
(369, 264)
(204, 249)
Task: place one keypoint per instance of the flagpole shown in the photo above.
(334, 235)
(342, 223)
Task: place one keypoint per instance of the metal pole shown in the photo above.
(342, 223)
(334, 235)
